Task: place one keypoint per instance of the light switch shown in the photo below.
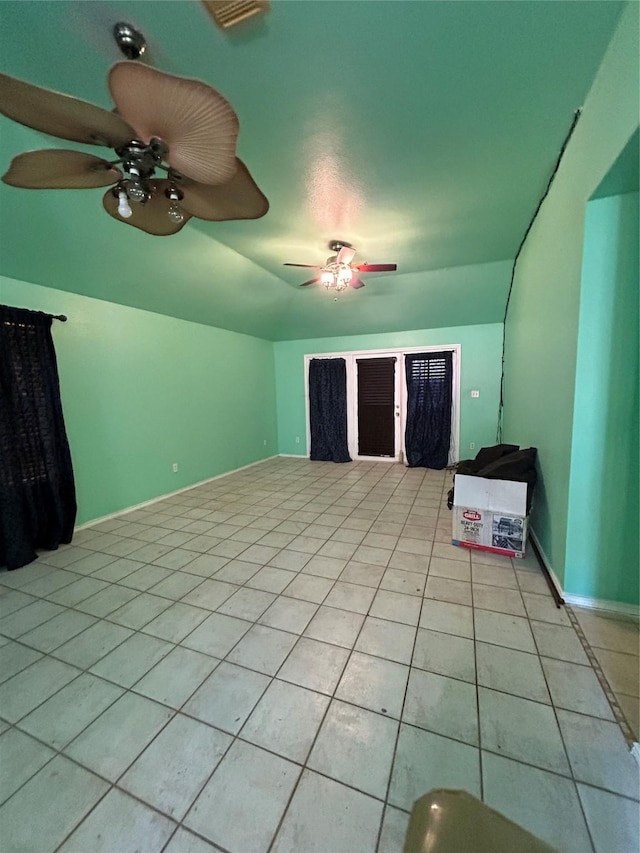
(475, 393)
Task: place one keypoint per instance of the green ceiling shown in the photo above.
(421, 132)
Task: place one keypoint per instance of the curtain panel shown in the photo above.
(37, 491)
(429, 396)
(328, 410)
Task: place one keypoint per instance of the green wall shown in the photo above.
(141, 391)
(542, 326)
(481, 350)
(602, 535)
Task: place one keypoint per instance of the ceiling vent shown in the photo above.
(228, 13)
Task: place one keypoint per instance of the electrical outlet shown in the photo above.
(297, 439)
(475, 393)
(175, 467)
(265, 442)
(472, 445)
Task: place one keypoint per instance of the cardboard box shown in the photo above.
(490, 515)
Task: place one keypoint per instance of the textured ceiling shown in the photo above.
(421, 132)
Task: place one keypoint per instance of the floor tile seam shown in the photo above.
(477, 692)
(115, 783)
(77, 824)
(400, 721)
(332, 697)
(305, 766)
(87, 545)
(550, 704)
(179, 822)
(567, 777)
(596, 647)
(216, 847)
(84, 671)
(29, 666)
(397, 740)
(563, 739)
(526, 616)
(132, 632)
(60, 751)
(486, 584)
(612, 699)
(21, 607)
(40, 596)
(30, 777)
(73, 607)
(114, 786)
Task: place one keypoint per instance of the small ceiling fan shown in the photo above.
(338, 272)
(165, 123)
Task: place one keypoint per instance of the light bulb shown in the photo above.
(175, 213)
(344, 276)
(123, 205)
(137, 192)
(327, 279)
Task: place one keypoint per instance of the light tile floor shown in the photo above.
(284, 660)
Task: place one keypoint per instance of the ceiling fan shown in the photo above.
(178, 126)
(338, 272)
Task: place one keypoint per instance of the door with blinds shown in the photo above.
(377, 407)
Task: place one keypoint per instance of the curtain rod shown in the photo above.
(61, 317)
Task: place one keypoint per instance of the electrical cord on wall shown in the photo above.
(576, 117)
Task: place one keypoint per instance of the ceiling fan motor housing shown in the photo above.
(336, 245)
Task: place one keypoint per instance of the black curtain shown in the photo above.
(37, 492)
(429, 392)
(328, 410)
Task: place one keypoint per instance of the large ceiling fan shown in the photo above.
(338, 272)
(165, 123)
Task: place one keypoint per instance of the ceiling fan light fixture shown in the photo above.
(336, 276)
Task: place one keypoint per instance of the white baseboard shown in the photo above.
(294, 455)
(635, 751)
(618, 607)
(554, 578)
(152, 501)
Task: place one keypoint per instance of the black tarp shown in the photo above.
(501, 462)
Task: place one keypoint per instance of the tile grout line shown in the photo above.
(322, 721)
(563, 742)
(618, 713)
(387, 803)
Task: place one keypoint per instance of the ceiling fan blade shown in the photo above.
(151, 217)
(60, 169)
(304, 266)
(61, 115)
(345, 255)
(197, 123)
(356, 283)
(311, 280)
(239, 198)
(376, 267)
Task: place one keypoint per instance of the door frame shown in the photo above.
(350, 358)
